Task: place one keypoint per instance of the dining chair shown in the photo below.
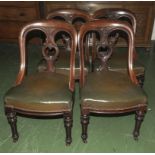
(118, 63)
(108, 92)
(43, 94)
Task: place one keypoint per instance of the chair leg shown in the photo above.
(141, 79)
(68, 121)
(139, 119)
(84, 123)
(12, 120)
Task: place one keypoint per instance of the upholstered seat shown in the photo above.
(109, 90)
(41, 92)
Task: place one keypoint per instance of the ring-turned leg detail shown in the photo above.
(12, 120)
(84, 123)
(68, 121)
(139, 119)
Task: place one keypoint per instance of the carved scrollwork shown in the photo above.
(103, 34)
(69, 18)
(50, 54)
(105, 46)
(50, 50)
(104, 56)
(67, 42)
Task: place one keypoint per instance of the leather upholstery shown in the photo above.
(41, 92)
(109, 90)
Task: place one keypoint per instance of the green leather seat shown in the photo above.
(109, 90)
(41, 92)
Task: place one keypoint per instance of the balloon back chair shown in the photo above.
(75, 17)
(105, 91)
(118, 63)
(43, 93)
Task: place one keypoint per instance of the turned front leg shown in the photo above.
(12, 120)
(68, 126)
(139, 119)
(84, 123)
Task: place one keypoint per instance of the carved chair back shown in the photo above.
(50, 28)
(114, 14)
(75, 17)
(104, 28)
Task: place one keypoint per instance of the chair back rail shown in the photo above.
(116, 14)
(69, 15)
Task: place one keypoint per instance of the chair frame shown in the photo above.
(109, 25)
(48, 28)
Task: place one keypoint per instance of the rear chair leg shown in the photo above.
(12, 120)
(68, 126)
(84, 123)
(141, 79)
(139, 119)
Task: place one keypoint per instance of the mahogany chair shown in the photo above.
(105, 91)
(75, 17)
(118, 63)
(43, 93)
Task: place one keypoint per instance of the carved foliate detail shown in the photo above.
(50, 50)
(69, 18)
(67, 42)
(105, 46)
